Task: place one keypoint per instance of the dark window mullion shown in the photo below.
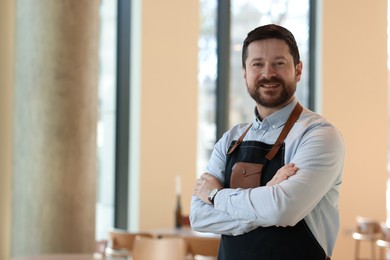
(122, 115)
(312, 53)
(223, 67)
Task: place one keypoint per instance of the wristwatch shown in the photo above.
(212, 195)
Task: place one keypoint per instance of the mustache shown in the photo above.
(270, 80)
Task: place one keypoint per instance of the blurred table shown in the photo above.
(59, 257)
(183, 232)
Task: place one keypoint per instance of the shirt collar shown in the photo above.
(276, 119)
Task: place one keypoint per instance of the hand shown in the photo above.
(283, 174)
(204, 185)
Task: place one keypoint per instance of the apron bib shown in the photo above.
(267, 243)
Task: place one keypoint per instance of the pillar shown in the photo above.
(55, 120)
(6, 79)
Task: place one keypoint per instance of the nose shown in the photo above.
(268, 71)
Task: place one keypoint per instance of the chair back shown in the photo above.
(367, 226)
(119, 239)
(203, 246)
(166, 248)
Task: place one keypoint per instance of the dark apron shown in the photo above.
(267, 243)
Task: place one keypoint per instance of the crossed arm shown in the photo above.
(289, 197)
(207, 182)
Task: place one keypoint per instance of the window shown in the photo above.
(207, 76)
(106, 120)
(388, 109)
(244, 15)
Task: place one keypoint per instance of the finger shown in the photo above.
(291, 172)
(288, 165)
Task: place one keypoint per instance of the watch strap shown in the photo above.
(212, 195)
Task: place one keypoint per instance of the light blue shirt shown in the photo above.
(315, 146)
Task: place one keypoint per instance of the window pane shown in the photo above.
(106, 121)
(207, 75)
(245, 16)
(388, 111)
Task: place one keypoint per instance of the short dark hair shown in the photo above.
(271, 31)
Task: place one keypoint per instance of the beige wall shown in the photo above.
(6, 93)
(355, 99)
(168, 107)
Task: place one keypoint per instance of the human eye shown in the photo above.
(280, 63)
(257, 64)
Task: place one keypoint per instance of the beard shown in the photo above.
(285, 93)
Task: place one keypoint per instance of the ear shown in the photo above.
(243, 72)
(298, 71)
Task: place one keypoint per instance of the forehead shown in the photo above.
(268, 49)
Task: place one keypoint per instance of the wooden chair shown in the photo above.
(202, 247)
(367, 230)
(121, 242)
(166, 248)
(384, 242)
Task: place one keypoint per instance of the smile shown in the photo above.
(275, 85)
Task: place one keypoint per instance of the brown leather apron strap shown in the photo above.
(286, 129)
(239, 141)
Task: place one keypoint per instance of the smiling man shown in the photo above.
(271, 187)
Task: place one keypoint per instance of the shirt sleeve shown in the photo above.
(207, 218)
(319, 155)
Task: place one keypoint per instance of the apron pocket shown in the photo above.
(246, 175)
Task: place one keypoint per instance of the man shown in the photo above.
(292, 210)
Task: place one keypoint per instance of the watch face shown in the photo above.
(212, 195)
